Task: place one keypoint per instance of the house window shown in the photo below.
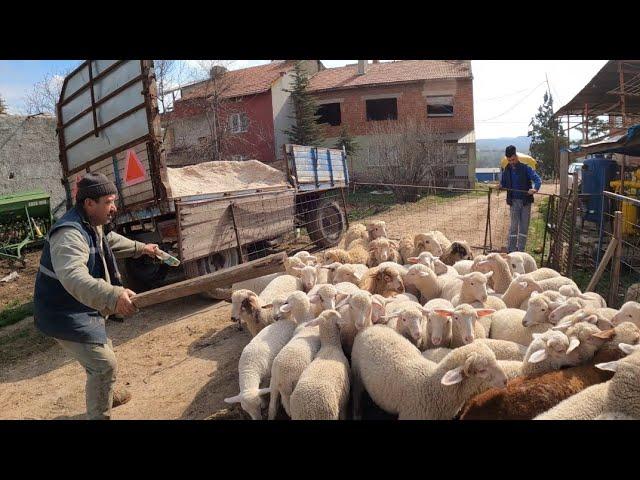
(382, 109)
(440, 106)
(238, 122)
(329, 113)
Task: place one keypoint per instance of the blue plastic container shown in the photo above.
(597, 172)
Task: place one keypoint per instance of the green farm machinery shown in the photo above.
(25, 219)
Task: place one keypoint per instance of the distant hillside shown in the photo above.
(489, 151)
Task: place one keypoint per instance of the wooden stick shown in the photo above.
(603, 265)
(255, 268)
(617, 257)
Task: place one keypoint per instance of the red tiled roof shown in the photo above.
(245, 81)
(403, 71)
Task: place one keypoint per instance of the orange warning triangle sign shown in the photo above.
(134, 172)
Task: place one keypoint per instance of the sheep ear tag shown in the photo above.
(452, 377)
(538, 356)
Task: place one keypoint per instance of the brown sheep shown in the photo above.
(525, 398)
(385, 281)
(459, 250)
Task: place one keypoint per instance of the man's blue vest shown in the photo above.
(522, 183)
(56, 312)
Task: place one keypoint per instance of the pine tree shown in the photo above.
(597, 128)
(543, 130)
(3, 105)
(347, 141)
(305, 130)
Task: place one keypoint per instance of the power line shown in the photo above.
(518, 103)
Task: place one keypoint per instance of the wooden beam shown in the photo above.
(255, 268)
(603, 265)
(617, 258)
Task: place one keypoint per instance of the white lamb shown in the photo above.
(322, 392)
(521, 262)
(349, 272)
(501, 275)
(248, 307)
(629, 312)
(474, 291)
(254, 366)
(357, 311)
(595, 300)
(503, 349)
(437, 328)
(402, 382)
(466, 326)
(547, 352)
(407, 319)
(295, 356)
(507, 325)
(540, 306)
(434, 242)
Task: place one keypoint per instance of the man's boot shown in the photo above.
(120, 397)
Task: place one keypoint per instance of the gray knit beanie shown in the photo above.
(94, 185)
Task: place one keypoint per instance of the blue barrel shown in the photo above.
(597, 172)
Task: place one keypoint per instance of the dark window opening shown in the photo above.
(329, 113)
(382, 109)
(440, 106)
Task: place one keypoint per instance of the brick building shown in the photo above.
(363, 96)
(252, 111)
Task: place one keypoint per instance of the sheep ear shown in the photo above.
(264, 391)
(611, 366)
(344, 301)
(413, 259)
(483, 312)
(628, 349)
(268, 305)
(286, 308)
(314, 322)
(236, 399)
(315, 298)
(452, 377)
(591, 319)
(488, 274)
(605, 334)
(573, 344)
(538, 356)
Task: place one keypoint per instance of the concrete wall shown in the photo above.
(29, 159)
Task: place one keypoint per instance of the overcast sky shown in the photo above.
(506, 93)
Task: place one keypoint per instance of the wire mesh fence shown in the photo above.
(246, 229)
(479, 216)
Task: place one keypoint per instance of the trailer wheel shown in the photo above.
(213, 263)
(326, 224)
(144, 273)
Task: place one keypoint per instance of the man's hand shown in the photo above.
(150, 250)
(532, 191)
(124, 305)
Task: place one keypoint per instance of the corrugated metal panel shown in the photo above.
(118, 97)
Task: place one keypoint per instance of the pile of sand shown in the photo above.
(218, 177)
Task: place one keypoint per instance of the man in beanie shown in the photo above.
(78, 285)
(522, 182)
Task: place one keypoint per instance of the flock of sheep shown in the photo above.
(431, 332)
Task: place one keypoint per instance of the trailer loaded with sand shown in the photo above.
(211, 215)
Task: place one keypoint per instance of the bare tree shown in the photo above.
(3, 105)
(409, 152)
(45, 94)
(229, 129)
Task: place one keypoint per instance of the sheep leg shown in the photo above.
(356, 396)
(273, 403)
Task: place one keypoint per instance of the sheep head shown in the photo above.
(427, 242)
(478, 362)
(629, 312)
(251, 401)
(376, 229)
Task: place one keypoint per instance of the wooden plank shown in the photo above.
(603, 265)
(245, 271)
(617, 257)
